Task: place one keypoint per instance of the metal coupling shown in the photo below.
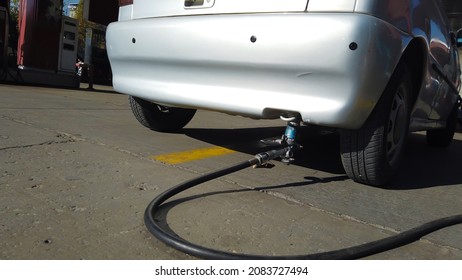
(265, 157)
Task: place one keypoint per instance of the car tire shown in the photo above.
(443, 137)
(160, 118)
(370, 155)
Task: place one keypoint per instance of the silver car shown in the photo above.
(374, 70)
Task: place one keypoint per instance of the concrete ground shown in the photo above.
(77, 171)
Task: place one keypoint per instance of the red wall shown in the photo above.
(39, 33)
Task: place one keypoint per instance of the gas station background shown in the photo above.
(42, 46)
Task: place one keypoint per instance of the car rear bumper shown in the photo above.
(329, 68)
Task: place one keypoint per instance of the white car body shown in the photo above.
(328, 61)
(372, 69)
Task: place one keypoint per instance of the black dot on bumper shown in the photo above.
(353, 46)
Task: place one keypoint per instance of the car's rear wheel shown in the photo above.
(443, 137)
(160, 118)
(371, 154)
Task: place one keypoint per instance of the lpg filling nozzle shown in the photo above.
(287, 140)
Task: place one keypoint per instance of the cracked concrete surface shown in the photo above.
(76, 175)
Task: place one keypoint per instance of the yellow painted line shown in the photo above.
(192, 155)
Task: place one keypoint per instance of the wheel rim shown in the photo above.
(397, 126)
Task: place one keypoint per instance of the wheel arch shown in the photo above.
(415, 58)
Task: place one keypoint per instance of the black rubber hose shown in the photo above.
(355, 252)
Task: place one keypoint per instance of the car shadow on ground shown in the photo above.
(320, 148)
(423, 166)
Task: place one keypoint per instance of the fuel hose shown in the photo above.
(354, 252)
